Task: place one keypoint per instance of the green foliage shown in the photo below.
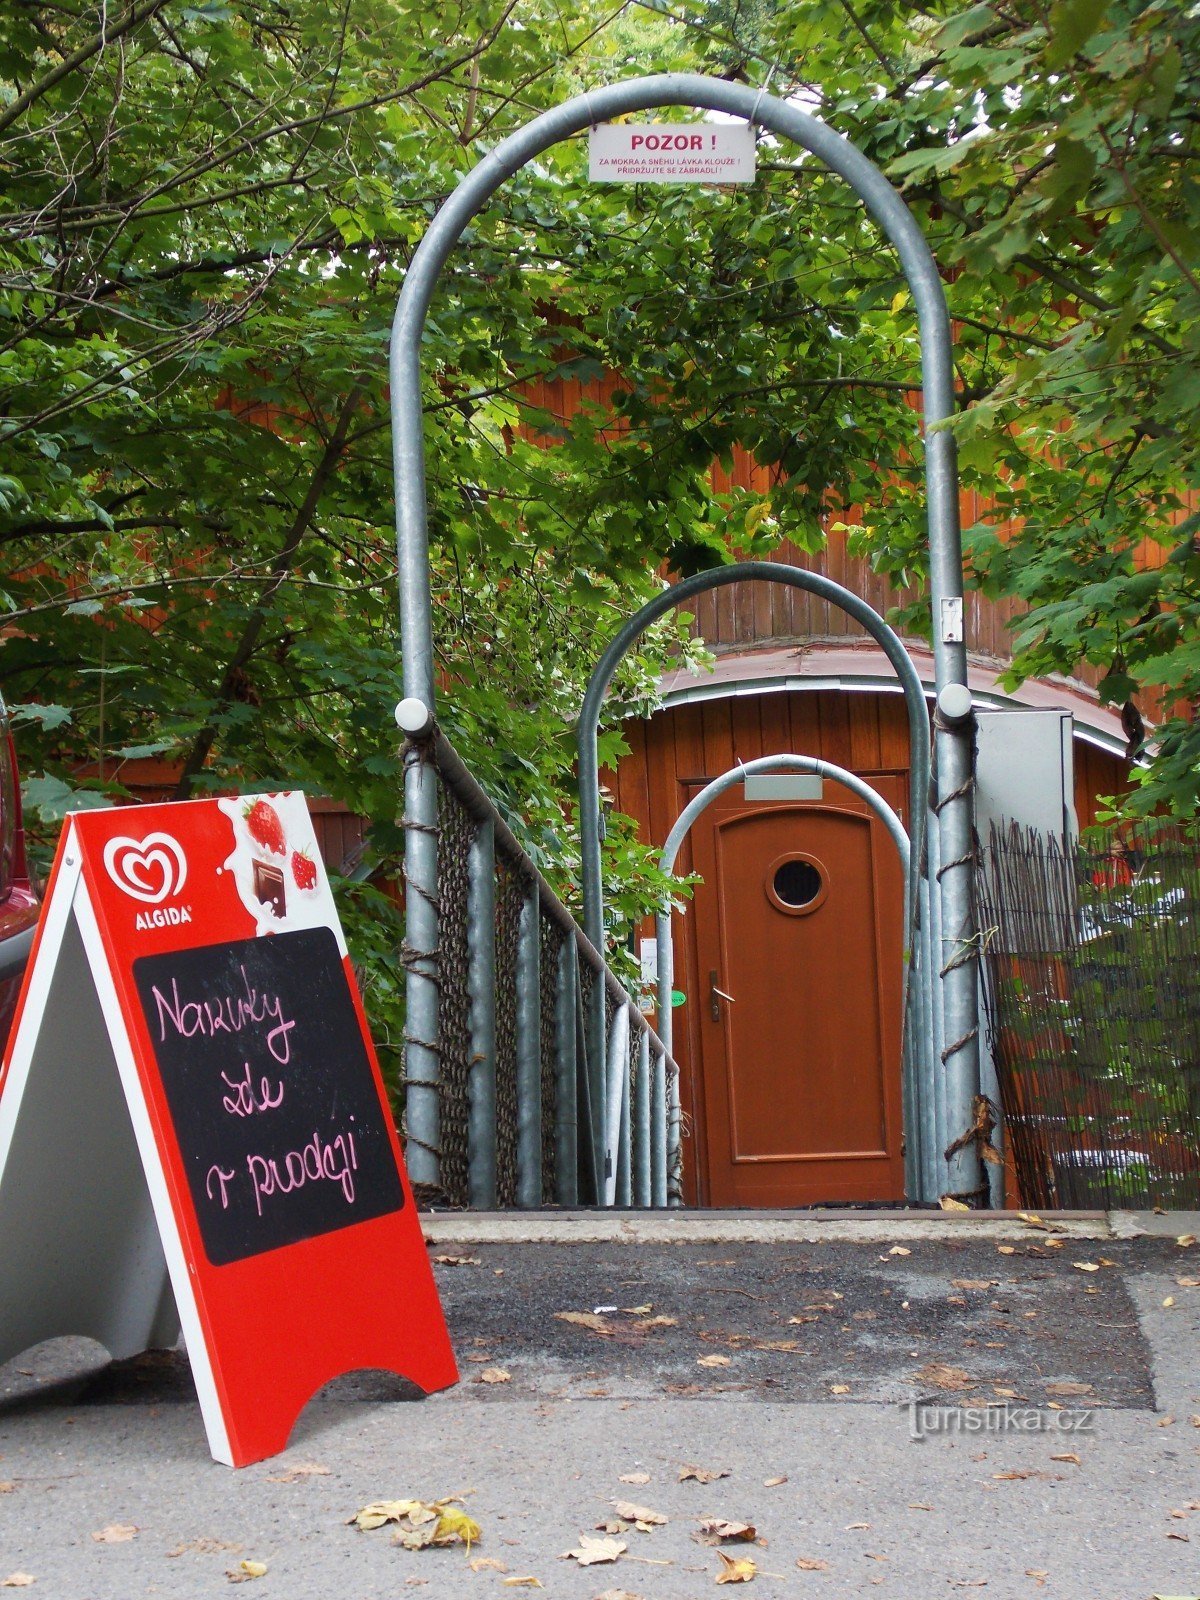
(207, 215)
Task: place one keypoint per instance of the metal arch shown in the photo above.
(955, 799)
(718, 577)
(662, 919)
(921, 1096)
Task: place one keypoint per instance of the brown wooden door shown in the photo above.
(799, 920)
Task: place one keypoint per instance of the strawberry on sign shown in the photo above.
(265, 828)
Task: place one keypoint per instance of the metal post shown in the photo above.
(642, 1181)
(591, 1181)
(958, 969)
(527, 978)
(481, 995)
(658, 1130)
(566, 1067)
(422, 1060)
(622, 1064)
(618, 1053)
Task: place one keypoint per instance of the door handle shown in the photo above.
(715, 996)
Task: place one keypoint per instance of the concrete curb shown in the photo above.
(712, 1227)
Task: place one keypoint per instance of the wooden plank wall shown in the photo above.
(862, 730)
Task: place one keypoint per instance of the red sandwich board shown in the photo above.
(194, 1132)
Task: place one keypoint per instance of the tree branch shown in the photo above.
(246, 645)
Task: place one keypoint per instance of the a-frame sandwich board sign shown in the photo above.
(194, 1131)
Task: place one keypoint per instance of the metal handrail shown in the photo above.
(614, 1108)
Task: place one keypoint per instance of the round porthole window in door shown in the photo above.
(796, 884)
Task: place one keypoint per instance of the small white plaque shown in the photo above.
(648, 952)
(785, 786)
(671, 152)
(952, 619)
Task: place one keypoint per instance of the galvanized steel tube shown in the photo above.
(617, 1052)
(566, 1069)
(527, 978)
(641, 1142)
(481, 996)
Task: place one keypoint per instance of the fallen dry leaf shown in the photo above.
(634, 1477)
(858, 1527)
(1011, 1477)
(420, 1523)
(526, 1582)
(899, 1250)
(839, 1388)
(641, 1516)
(637, 1311)
(303, 1469)
(712, 1361)
(458, 1261)
(660, 1322)
(586, 1319)
(17, 1580)
(486, 1564)
(949, 1203)
(1086, 1266)
(807, 1564)
(702, 1474)
(1006, 1249)
(205, 1547)
(739, 1569)
(973, 1283)
(1169, 1302)
(116, 1533)
(245, 1571)
(715, 1529)
(6, 1486)
(1065, 1389)
(1182, 1537)
(494, 1375)
(1184, 1283)
(1185, 1240)
(1068, 1456)
(942, 1376)
(773, 1483)
(592, 1552)
(803, 1319)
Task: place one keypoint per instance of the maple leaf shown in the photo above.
(592, 1552)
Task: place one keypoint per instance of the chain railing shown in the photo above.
(525, 1114)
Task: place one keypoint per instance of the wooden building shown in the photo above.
(790, 954)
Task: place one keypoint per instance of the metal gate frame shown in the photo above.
(953, 805)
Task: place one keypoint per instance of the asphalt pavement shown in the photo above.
(767, 1373)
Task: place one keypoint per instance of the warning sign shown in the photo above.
(671, 152)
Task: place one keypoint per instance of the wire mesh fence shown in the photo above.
(521, 1090)
(1092, 992)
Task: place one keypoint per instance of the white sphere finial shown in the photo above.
(413, 717)
(954, 702)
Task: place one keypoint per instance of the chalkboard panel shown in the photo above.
(270, 1089)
